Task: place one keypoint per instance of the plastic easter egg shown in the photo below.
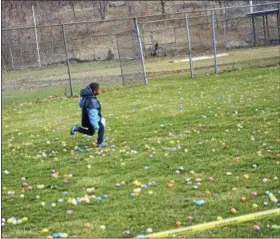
(233, 210)
(90, 190)
(25, 185)
(195, 187)
(199, 202)
(56, 235)
(255, 165)
(266, 193)
(24, 219)
(172, 181)
(65, 193)
(229, 173)
(192, 172)
(190, 218)
(105, 196)
(11, 193)
(99, 199)
(211, 179)
(9, 221)
(265, 204)
(207, 193)
(181, 169)
(178, 224)
(74, 202)
(60, 200)
(126, 232)
(37, 197)
(149, 230)
(53, 204)
(265, 180)
(69, 212)
(102, 227)
(188, 179)
(137, 190)
(87, 225)
(243, 199)
(143, 186)
(246, 176)
(23, 179)
(219, 218)
(254, 206)
(253, 194)
(132, 194)
(256, 228)
(150, 192)
(177, 172)
(234, 189)
(21, 196)
(118, 185)
(45, 230)
(170, 185)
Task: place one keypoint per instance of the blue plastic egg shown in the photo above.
(132, 195)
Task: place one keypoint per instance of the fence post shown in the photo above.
(141, 50)
(12, 58)
(36, 37)
(175, 41)
(67, 60)
(278, 20)
(253, 31)
(214, 41)
(189, 44)
(225, 27)
(117, 41)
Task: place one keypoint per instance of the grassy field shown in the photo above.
(213, 126)
(241, 58)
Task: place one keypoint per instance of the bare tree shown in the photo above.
(72, 4)
(162, 3)
(131, 8)
(102, 8)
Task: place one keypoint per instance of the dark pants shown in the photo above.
(90, 131)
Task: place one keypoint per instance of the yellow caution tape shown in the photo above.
(215, 224)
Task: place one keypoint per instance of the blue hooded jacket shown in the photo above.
(91, 108)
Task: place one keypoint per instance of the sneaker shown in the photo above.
(102, 145)
(74, 129)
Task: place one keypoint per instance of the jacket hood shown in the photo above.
(86, 92)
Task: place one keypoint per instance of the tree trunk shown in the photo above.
(162, 6)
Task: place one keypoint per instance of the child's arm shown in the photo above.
(93, 114)
(94, 118)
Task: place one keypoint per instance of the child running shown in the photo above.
(91, 114)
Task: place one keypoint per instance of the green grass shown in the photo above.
(246, 126)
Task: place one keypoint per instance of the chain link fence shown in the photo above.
(112, 52)
(221, 39)
(107, 52)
